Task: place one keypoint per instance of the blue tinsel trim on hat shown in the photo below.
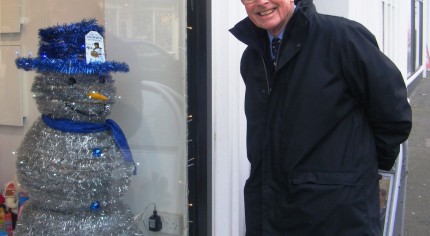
(73, 66)
(62, 50)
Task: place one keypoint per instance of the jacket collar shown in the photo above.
(251, 35)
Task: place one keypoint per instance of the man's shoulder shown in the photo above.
(340, 26)
(335, 22)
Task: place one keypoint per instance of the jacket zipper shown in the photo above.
(267, 77)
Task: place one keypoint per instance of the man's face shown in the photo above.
(271, 15)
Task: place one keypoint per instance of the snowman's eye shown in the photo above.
(102, 80)
(71, 81)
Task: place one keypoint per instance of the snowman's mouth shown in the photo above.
(89, 112)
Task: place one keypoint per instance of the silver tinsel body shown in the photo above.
(63, 178)
(76, 181)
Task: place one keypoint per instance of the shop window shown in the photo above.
(415, 36)
(150, 36)
(151, 107)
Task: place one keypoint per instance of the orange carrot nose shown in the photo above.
(97, 96)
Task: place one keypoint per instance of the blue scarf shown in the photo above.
(67, 125)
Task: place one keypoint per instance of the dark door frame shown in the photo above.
(199, 116)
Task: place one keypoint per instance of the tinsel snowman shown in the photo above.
(74, 163)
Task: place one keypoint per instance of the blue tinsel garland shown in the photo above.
(73, 66)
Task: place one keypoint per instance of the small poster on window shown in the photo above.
(94, 45)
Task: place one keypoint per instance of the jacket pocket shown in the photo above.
(324, 178)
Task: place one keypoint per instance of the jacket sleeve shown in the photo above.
(378, 85)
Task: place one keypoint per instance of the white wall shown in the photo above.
(229, 165)
(335, 7)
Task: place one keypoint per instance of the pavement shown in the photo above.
(417, 204)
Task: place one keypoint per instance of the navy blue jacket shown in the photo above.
(319, 126)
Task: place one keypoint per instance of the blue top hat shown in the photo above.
(62, 50)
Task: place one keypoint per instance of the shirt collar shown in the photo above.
(280, 35)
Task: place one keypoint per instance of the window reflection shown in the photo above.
(152, 111)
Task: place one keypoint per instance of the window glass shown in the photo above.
(150, 103)
(418, 32)
(415, 43)
(149, 36)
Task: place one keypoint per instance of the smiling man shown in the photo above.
(325, 109)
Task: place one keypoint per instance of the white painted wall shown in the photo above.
(229, 164)
(332, 7)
